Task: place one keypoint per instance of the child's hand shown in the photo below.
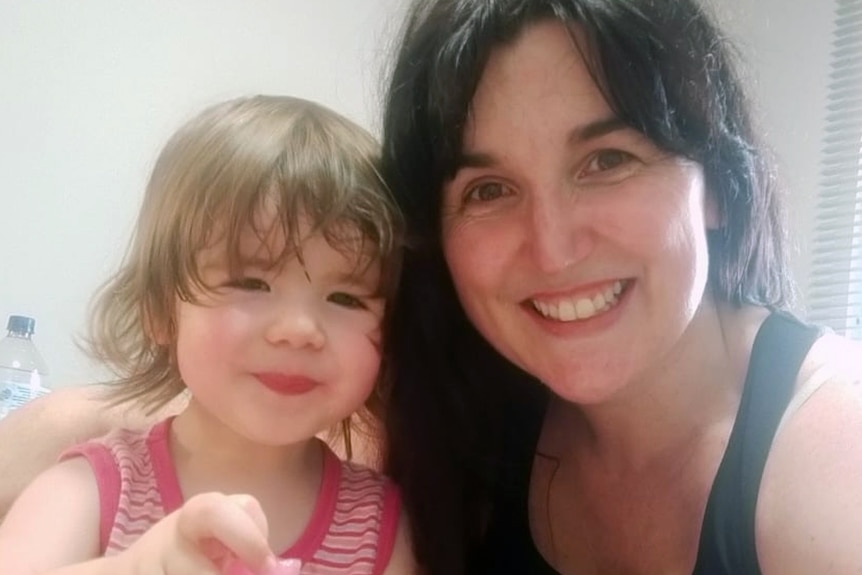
(212, 534)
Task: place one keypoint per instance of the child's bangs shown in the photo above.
(220, 234)
(355, 221)
(283, 220)
(269, 184)
(327, 187)
(263, 233)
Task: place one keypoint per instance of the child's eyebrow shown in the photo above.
(359, 276)
(256, 262)
(225, 262)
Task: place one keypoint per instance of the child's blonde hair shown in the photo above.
(209, 183)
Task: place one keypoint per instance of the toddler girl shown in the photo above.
(264, 253)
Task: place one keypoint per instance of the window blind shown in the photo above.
(835, 291)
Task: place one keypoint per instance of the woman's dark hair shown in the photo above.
(666, 71)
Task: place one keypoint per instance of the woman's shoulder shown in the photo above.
(822, 355)
(810, 503)
(835, 358)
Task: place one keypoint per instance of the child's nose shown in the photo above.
(296, 327)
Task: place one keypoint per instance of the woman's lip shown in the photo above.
(583, 327)
(286, 384)
(581, 290)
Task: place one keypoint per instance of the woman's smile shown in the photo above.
(596, 301)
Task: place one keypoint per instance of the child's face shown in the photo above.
(281, 353)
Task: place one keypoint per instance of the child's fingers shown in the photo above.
(235, 522)
(289, 567)
(251, 506)
(283, 567)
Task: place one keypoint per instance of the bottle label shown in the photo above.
(14, 395)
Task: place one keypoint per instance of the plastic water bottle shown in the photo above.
(22, 370)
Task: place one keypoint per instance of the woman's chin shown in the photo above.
(585, 385)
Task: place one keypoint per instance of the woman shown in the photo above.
(590, 350)
(544, 150)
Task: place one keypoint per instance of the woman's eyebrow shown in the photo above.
(475, 160)
(596, 129)
(577, 135)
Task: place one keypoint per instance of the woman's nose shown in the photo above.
(558, 232)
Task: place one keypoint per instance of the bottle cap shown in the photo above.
(21, 324)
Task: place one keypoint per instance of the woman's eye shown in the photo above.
(249, 284)
(605, 160)
(346, 300)
(486, 192)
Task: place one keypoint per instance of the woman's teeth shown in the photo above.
(573, 309)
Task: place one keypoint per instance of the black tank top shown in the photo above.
(727, 535)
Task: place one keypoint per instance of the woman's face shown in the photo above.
(577, 247)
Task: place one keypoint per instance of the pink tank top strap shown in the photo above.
(128, 466)
(361, 509)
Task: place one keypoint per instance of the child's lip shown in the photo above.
(285, 383)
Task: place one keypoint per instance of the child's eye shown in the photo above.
(249, 284)
(605, 160)
(346, 300)
(487, 192)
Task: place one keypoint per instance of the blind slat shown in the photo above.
(834, 261)
(826, 284)
(835, 296)
(842, 243)
(829, 228)
(838, 185)
(829, 316)
(847, 201)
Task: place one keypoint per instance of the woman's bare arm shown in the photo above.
(809, 513)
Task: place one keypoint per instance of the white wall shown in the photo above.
(787, 44)
(90, 90)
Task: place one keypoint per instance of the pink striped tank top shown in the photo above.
(351, 531)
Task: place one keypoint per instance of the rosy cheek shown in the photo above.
(375, 336)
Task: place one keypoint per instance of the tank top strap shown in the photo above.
(129, 494)
(727, 541)
(359, 512)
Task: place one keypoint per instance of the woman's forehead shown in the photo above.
(533, 84)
